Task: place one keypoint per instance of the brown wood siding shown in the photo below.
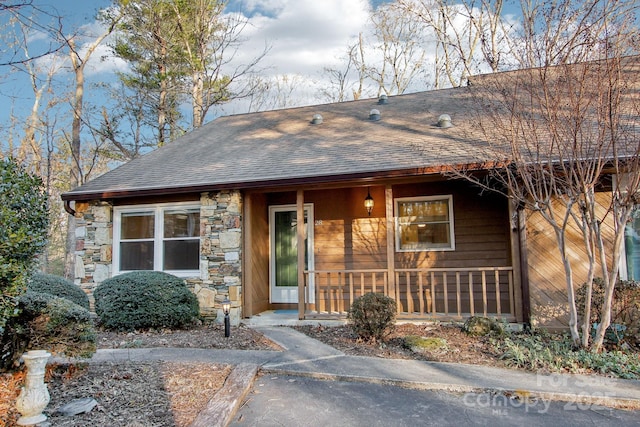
(259, 222)
(481, 226)
(347, 239)
(549, 306)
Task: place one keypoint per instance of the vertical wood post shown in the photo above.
(301, 251)
(391, 264)
(247, 258)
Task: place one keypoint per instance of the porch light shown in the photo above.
(226, 305)
(368, 202)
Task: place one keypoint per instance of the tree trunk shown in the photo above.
(76, 177)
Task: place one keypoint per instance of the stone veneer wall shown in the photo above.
(220, 251)
(94, 243)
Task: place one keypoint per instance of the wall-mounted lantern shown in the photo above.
(368, 202)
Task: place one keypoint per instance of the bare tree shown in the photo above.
(390, 58)
(557, 131)
(27, 16)
(269, 93)
(400, 46)
(79, 58)
(470, 36)
(339, 80)
(210, 41)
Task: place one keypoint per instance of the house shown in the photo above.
(221, 205)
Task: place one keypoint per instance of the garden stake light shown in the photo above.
(226, 305)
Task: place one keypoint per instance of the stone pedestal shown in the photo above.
(34, 396)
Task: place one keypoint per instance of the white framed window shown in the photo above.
(157, 237)
(424, 224)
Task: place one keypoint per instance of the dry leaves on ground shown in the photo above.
(209, 335)
(133, 393)
(458, 346)
(171, 394)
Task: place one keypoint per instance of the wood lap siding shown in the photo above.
(347, 239)
(549, 306)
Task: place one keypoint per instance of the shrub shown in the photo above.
(145, 299)
(49, 323)
(625, 310)
(59, 287)
(372, 316)
(58, 325)
(23, 232)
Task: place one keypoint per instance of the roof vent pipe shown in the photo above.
(374, 115)
(317, 119)
(383, 99)
(444, 121)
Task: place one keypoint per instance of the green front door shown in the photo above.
(284, 252)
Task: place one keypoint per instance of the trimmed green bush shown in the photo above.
(59, 287)
(58, 325)
(51, 323)
(145, 299)
(372, 315)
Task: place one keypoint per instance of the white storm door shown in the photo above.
(284, 251)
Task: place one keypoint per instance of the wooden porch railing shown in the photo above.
(431, 293)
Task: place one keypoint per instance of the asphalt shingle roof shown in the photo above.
(261, 149)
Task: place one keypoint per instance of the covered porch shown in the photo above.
(350, 252)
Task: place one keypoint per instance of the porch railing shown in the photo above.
(436, 293)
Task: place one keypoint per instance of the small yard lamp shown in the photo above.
(226, 305)
(368, 202)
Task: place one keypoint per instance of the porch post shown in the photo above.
(391, 263)
(301, 250)
(247, 259)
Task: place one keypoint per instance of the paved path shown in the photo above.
(307, 357)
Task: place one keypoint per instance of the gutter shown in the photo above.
(266, 184)
(68, 208)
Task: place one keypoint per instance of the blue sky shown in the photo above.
(304, 36)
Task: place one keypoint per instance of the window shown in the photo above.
(632, 246)
(159, 237)
(424, 224)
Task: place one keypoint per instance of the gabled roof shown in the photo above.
(283, 147)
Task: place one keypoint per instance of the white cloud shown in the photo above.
(304, 35)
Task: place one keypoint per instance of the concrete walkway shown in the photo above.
(305, 356)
